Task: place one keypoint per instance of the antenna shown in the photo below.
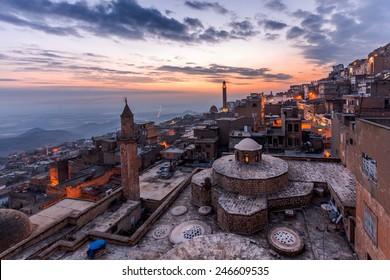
(125, 100)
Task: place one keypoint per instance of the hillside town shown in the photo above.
(308, 165)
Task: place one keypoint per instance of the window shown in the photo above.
(257, 158)
(237, 156)
(350, 141)
(369, 167)
(247, 158)
(289, 127)
(289, 142)
(296, 127)
(370, 224)
(296, 142)
(208, 146)
(254, 105)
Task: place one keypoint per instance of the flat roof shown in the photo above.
(157, 189)
(338, 177)
(59, 211)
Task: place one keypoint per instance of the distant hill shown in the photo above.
(38, 137)
(96, 129)
(35, 138)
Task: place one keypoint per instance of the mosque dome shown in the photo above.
(15, 226)
(248, 144)
(213, 109)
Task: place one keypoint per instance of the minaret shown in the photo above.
(129, 156)
(224, 105)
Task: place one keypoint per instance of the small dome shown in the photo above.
(213, 109)
(248, 144)
(15, 226)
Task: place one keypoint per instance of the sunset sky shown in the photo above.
(97, 52)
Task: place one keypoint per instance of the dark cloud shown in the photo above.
(123, 18)
(61, 31)
(295, 32)
(193, 22)
(325, 10)
(219, 71)
(340, 32)
(213, 35)
(271, 36)
(117, 18)
(38, 60)
(273, 24)
(198, 5)
(242, 29)
(275, 5)
(8, 80)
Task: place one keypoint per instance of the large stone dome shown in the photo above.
(14, 227)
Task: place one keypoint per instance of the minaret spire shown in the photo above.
(129, 155)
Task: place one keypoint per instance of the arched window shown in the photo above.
(246, 158)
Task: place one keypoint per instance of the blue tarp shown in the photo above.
(96, 246)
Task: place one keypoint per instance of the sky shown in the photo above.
(78, 55)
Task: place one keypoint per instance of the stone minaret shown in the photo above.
(129, 156)
(224, 97)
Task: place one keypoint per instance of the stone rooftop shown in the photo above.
(293, 189)
(157, 189)
(213, 247)
(322, 238)
(247, 205)
(59, 211)
(338, 177)
(199, 177)
(104, 222)
(268, 167)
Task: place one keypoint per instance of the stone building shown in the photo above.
(241, 187)
(379, 60)
(367, 156)
(147, 133)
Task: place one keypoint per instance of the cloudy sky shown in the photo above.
(80, 52)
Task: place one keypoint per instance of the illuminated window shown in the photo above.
(247, 158)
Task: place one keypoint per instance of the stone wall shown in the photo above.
(290, 202)
(248, 186)
(241, 224)
(79, 220)
(200, 195)
(364, 245)
(75, 192)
